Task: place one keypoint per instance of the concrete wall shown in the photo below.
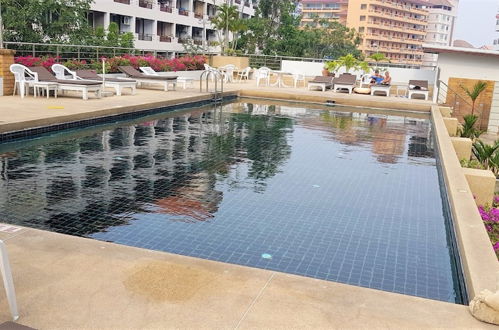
(468, 66)
(400, 76)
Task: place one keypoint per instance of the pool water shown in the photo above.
(336, 195)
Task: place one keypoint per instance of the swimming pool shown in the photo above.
(351, 197)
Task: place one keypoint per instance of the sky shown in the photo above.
(476, 21)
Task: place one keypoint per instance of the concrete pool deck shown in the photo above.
(70, 282)
(19, 114)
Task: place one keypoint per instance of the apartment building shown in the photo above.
(332, 10)
(442, 17)
(166, 25)
(396, 28)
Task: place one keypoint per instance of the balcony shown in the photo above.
(145, 4)
(183, 12)
(125, 2)
(238, 2)
(198, 42)
(399, 6)
(165, 8)
(198, 15)
(165, 38)
(144, 37)
(397, 17)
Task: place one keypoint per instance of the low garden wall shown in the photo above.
(399, 75)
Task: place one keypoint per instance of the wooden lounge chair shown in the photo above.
(141, 78)
(418, 87)
(381, 88)
(345, 81)
(62, 72)
(84, 86)
(321, 82)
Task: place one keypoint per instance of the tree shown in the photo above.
(379, 57)
(110, 38)
(227, 20)
(45, 21)
(474, 93)
(331, 39)
(349, 62)
(276, 30)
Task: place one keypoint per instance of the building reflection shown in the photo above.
(168, 166)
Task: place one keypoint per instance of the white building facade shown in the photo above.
(164, 26)
(442, 19)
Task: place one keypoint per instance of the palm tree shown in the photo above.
(226, 19)
(475, 92)
(349, 62)
(379, 57)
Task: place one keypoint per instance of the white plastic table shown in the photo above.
(43, 85)
(280, 78)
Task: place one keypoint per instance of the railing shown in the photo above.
(84, 52)
(73, 52)
(460, 106)
(144, 37)
(145, 4)
(274, 62)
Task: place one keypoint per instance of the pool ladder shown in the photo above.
(215, 76)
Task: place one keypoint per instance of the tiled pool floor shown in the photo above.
(347, 197)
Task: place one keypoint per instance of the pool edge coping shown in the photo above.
(479, 263)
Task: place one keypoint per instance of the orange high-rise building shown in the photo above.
(396, 28)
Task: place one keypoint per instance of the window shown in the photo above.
(361, 29)
(363, 6)
(362, 18)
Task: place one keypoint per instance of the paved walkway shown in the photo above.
(67, 282)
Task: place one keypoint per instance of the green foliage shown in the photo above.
(227, 20)
(475, 92)
(349, 62)
(45, 21)
(379, 57)
(468, 129)
(486, 154)
(472, 164)
(110, 38)
(275, 30)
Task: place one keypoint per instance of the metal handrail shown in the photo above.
(206, 75)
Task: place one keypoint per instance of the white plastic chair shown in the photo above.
(244, 74)
(22, 76)
(8, 282)
(297, 77)
(229, 72)
(263, 74)
(365, 80)
(61, 70)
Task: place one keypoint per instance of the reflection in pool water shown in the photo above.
(343, 196)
